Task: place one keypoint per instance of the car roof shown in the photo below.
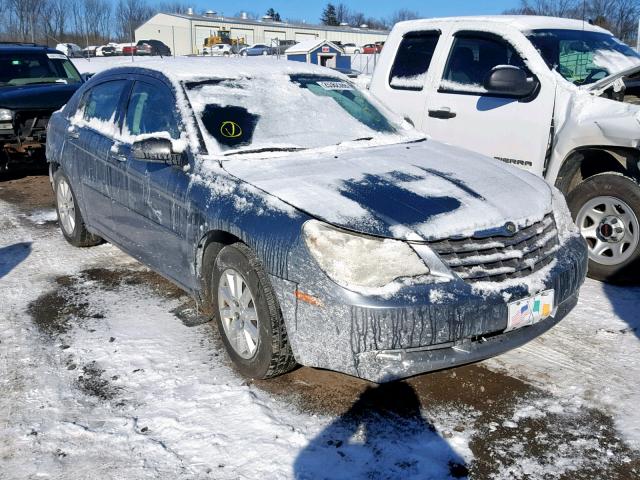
(181, 69)
(25, 48)
(524, 23)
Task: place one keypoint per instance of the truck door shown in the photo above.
(460, 111)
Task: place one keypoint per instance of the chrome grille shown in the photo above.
(499, 258)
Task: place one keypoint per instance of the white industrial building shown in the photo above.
(185, 33)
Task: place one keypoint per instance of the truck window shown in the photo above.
(412, 60)
(471, 59)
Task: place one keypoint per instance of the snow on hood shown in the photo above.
(418, 191)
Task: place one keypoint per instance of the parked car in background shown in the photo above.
(544, 94)
(351, 48)
(89, 51)
(370, 48)
(341, 239)
(129, 49)
(219, 50)
(35, 81)
(71, 50)
(106, 51)
(153, 48)
(283, 45)
(257, 49)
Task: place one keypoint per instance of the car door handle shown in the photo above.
(442, 112)
(73, 132)
(116, 154)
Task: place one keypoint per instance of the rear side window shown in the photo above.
(151, 110)
(412, 60)
(101, 102)
(471, 59)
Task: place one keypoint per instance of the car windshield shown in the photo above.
(21, 69)
(583, 57)
(285, 112)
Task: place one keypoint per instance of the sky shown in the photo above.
(310, 10)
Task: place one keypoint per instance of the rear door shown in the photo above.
(403, 87)
(90, 140)
(155, 229)
(461, 112)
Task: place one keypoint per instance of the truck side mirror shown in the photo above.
(158, 150)
(509, 80)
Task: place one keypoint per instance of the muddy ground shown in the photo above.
(492, 396)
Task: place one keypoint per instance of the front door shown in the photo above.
(156, 227)
(461, 112)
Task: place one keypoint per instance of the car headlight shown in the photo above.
(562, 214)
(353, 260)
(5, 115)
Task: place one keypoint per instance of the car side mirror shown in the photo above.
(509, 80)
(158, 150)
(86, 76)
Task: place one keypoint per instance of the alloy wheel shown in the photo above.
(66, 207)
(238, 313)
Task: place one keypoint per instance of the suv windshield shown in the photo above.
(286, 113)
(24, 69)
(583, 57)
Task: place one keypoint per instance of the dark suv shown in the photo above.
(152, 47)
(35, 81)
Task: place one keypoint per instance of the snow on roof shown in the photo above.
(523, 23)
(309, 45)
(191, 68)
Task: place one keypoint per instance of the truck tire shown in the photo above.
(70, 220)
(247, 314)
(606, 208)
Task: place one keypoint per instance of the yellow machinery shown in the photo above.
(223, 36)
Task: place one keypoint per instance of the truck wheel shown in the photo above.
(606, 208)
(247, 314)
(69, 217)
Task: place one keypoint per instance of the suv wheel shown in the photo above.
(247, 314)
(606, 208)
(69, 217)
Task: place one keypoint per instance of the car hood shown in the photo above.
(50, 96)
(419, 191)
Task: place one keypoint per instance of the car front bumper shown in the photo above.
(420, 328)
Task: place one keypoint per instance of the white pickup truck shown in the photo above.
(553, 96)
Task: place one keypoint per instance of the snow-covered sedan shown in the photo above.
(316, 227)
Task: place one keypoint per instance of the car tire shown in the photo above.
(356, 52)
(70, 220)
(606, 208)
(253, 330)
(265, 53)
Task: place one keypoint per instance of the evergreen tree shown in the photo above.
(329, 15)
(274, 15)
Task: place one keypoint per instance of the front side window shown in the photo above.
(412, 60)
(583, 57)
(274, 112)
(151, 110)
(28, 69)
(101, 101)
(472, 58)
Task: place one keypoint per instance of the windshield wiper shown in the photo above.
(265, 149)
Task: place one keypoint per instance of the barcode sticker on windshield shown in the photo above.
(56, 56)
(335, 85)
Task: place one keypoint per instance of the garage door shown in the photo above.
(301, 37)
(245, 33)
(270, 35)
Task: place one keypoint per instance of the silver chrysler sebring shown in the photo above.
(314, 226)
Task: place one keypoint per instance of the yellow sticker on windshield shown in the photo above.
(230, 129)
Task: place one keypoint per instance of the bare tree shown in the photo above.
(173, 7)
(342, 13)
(402, 15)
(130, 14)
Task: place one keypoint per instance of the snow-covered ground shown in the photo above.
(100, 378)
